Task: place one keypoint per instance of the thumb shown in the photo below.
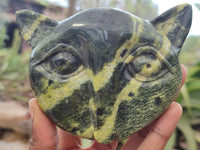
(98, 146)
(44, 135)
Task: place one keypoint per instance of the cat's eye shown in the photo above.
(62, 61)
(145, 65)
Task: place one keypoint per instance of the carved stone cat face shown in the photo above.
(104, 73)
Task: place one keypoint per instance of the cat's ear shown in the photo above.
(175, 23)
(34, 26)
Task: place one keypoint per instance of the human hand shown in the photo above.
(46, 136)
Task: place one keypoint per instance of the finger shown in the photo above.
(136, 139)
(98, 146)
(67, 141)
(44, 135)
(184, 74)
(163, 128)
